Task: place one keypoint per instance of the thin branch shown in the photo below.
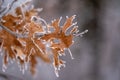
(17, 35)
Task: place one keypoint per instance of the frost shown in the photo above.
(25, 37)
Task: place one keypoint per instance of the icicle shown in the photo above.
(26, 65)
(57, 69)
(23, 69)
(70, 53)
(19, 65)
(4, 67)
(56, 72)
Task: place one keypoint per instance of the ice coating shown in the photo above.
(31, 37)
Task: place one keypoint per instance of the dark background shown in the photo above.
(97, 53)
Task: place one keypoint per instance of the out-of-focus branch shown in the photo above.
(7, 9)
(8, 77)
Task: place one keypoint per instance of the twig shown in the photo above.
(17, 35)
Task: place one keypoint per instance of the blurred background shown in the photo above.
(97, 53)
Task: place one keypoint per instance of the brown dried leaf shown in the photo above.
(28, 49)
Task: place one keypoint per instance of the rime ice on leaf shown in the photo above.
(26, 43)
(65, 41)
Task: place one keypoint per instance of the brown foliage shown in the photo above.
(28, 49)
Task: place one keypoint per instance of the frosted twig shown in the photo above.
(18, 35)
(81, 34)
